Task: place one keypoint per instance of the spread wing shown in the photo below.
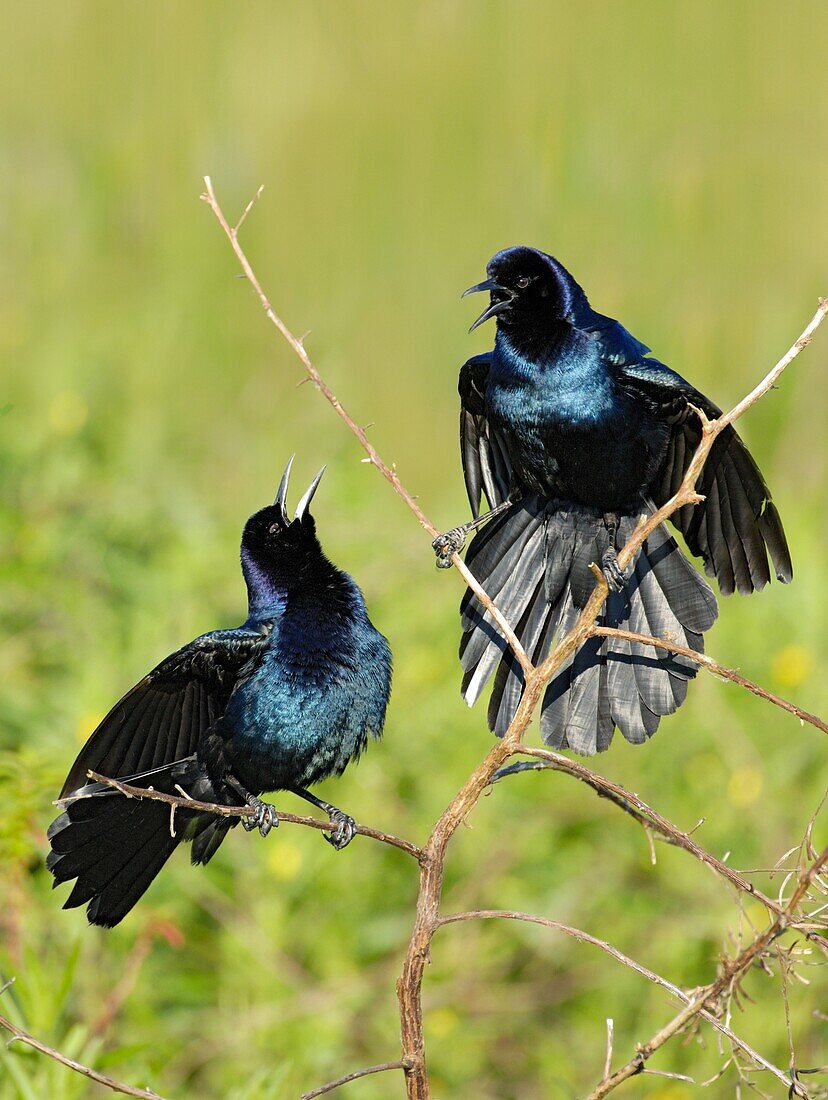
(163, 718)
(737, 527)
(486, 465)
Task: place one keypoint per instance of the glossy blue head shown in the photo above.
(279, 553)
(531, 292)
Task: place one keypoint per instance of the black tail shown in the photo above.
(115, 846)
(534, 562)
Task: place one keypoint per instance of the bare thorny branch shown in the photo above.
(705, 1003)
(184, 802)
(21, 1036)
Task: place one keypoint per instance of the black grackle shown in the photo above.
(279, 703)
(572, 430)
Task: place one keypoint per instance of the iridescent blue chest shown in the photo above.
(573, 433)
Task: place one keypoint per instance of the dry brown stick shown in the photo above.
(717, 670)
(219, 810)
(331, 1085)
(732, 973)
(20, 1036)
(699, 1000)
(388, 472)
(409, 984)
(646, 815)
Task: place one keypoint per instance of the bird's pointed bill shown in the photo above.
(487, 284)
(497, 306)
(281, 495)
(303, 504)
(492, 311)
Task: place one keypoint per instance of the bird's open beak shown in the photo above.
(497, 306)
(281, 495)
(302, 506)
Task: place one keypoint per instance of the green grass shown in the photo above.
(675, 157)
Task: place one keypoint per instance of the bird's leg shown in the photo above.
(343, 826)
(615, 576)
(453, 541)
(265, 817)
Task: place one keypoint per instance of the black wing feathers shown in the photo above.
(163, 717)
(486, 465)
(737, 526)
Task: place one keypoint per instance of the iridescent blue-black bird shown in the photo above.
(572, 430)
(279, 703)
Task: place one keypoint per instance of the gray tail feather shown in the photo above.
(115, 846)
(534, 562)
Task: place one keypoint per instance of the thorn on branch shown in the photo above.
(598, 573)
(608, 1059)
(247, 210)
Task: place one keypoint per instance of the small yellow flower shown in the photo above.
(87, 724)
(669, 1092)
(792, 665)
(67, 413)
(744, 786)
(442, 1021)
(285, 860)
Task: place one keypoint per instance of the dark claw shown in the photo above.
(615, 575)
(264, 819)
(343, 830)
(452, 542)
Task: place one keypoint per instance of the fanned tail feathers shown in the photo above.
(115, 846)
(534, 562)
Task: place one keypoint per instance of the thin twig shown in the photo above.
(696, 1005)
(331, 1085)
(732, 972)
(608, 1058)
(388, 472)
(637, 808)
(784, 967)
(220, 810)
(20, 1036)
(717, 670)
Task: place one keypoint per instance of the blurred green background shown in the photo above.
(676, 158)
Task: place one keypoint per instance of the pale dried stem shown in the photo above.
(696, 1004)
(732, 972)
(608, 1056)
(388, 472)
(186, 803)
(634, 805)
(717, 670)
(331, 1085)
(20, 1036)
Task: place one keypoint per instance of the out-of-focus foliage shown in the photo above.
(676, 158)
